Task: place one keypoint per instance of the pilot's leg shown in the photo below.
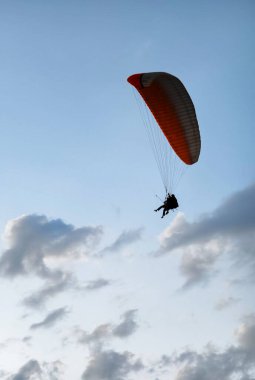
(159, 208)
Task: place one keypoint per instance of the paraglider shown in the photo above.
(170, 203)
(173, 130)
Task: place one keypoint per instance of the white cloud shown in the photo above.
(125, 239)
(228, 229)
(32, 239)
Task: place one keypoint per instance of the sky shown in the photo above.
(94, 285)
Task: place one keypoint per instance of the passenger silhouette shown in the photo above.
(170, 203)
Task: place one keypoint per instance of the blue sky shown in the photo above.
(78, 185)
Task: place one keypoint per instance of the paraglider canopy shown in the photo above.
(173, 110)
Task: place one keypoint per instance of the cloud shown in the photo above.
(51, 319)
(224, 303)
(235, 362)
(65, 282)
(197, 265)
(37, 299)
(235, 216)
(32, 239)
(33, 370)
(102, 334)
(54, 370)
(111, 365)
(59, 285)
(125, 239)
(128, 325)
(26, 339)
(2, 374)
(97, 338)
(245, 335)
(12, 343)
(165, 361)
(97, 284)
(228, 229)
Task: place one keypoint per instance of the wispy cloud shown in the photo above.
(51, 319)
(38, 298)
(59, 285)
(125, 239)
(225, 303)
(97, 284)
